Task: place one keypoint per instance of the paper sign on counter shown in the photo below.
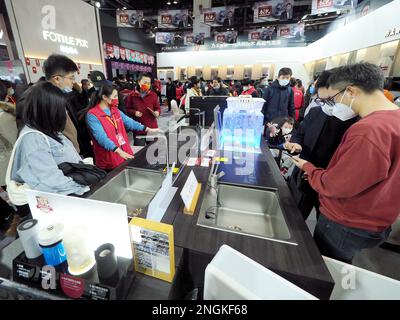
(192, 162)
(205, 162)
(189, 189)
(221, 159)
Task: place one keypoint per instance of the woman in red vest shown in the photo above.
(106, 124)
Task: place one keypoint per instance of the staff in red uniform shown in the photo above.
(143, 106)
(107, 126)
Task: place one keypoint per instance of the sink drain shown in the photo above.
(235, 227)
(135, 212)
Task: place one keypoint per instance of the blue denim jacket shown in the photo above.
(36, 164)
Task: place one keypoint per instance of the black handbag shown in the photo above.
(84, 174)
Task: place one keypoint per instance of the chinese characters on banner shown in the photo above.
(323, 6)
(129, 18)
(173, 18)
(273, 10)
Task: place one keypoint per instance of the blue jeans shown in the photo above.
(343, 243)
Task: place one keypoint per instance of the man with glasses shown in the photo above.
(60, 71)
(359, 190)
(317, 138)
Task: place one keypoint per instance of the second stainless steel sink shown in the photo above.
(245, 210)
(133, 187)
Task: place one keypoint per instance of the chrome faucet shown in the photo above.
(211, 213)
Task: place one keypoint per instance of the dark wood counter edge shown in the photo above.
(301, 264)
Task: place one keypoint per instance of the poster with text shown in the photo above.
(173, 18)
(323, 6)
(291, 31)
(229, 37)
(194, 39)
(218, 16)
(129, 18)
(273, 10)
(265, 34)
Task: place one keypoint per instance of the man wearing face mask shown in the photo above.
(358, 191)
(262, 87)
(217, 88)
(279, 98)
(317, 138)
(143, 106)
(60, 71)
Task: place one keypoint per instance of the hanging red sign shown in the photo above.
(28, 61)
(110, 50)
(34, 70)
(37, 62)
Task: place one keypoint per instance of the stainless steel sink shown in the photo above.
(133, 187)
(245, 210)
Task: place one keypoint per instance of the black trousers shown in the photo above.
(159, 97)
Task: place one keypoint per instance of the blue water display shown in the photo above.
(242, 125)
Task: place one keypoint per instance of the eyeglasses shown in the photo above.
(330, 101)
(72, 78)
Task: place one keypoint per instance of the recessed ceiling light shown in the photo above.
(168, 2)
(97, 4)
(175, 2)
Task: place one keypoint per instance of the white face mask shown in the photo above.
(327, 109)
(245, 88)
(283, 82)
(286, 131)
(342, 111)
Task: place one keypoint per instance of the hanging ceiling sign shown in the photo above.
(173, 19)
(218, 16)
(273, 10)
(129, 18)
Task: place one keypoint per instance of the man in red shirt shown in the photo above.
(142, 105)
(359, 190)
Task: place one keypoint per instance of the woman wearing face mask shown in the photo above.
(143, 106)
(248, 89)
(107, 126)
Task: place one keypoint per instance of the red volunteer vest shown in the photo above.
(112, 126)
(249, 91)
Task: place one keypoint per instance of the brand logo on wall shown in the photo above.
(68, 44)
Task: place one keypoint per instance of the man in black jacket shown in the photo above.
(317, 138)
(171, 92)
(279, 98)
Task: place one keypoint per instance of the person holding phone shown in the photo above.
(143, 106)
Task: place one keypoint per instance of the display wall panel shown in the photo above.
(53, 26)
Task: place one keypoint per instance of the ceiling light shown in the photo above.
(168, 2)
(304, 17)
(338, 12)
(189, 25)
(97, 4)
(263, 27)
(124, 8)
(175, 2)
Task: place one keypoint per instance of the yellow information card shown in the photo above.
(153, 248)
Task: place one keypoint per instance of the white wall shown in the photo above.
(367, 31)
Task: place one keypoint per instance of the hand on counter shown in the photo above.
(123, 154)
(293, 147)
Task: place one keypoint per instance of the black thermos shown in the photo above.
(107, 264)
